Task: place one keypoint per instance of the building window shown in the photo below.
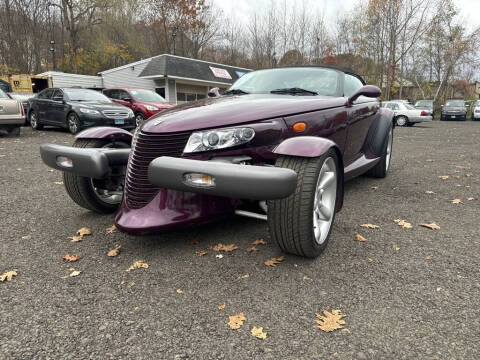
(183, 97)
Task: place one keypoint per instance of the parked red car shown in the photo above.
(144, 103)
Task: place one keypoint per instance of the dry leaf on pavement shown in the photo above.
(359, 237)
(7, 275)
(403, 223)
(236, 321)
(76, 238)
(226, 248)
(138, 265)
(274, 261)
(58, 182)
(444, 177)
(259, 242)
(84, 231)
(470, 198)
(179, 291)
(111, 229)
(115, 251)
(370, 226)
(429, 160)
(71, 257)
(457, 201)
(429, 192)
(201, 252)
(246, 276)
(251, 249)
(221, 307)
(258, 333)
(431, 226)
(75, 273)
(331, 321)
(374, 187)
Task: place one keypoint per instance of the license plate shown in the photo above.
(119, 121)
(453, 116)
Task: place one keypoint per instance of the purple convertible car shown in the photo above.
(278, 146)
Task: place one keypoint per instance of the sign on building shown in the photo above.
(220, 73)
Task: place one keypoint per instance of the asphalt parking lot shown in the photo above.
(407, 293)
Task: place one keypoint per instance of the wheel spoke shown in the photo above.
(324, 212)
(327, 180)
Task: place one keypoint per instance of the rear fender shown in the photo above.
(106, 132)
(310, 147)
(378, 133)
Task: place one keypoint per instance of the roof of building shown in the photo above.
(181, 67)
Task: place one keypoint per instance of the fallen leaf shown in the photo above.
(75, 273)
(26, 237)
(305, 277)
(370, 259)
(179, 291)
(251, 249)
(111, 229)
(397, 248)
(193, 241)
(201, 252)
(470, 199)
(457, 201)
(359, 237)
(370, 226)
(226, 248)
(374, 187)
(429, 160)
(428, 257)
(58, 182)
(431, 226)
(71, 258)
(221, 307)
(219, 256)
(468, 175)
(76, 238)
(429, 192)
(84, 231)
(50, 170)
(444, 177)
(403, 223)
(468, 186)
(243, 276)
(115, 251)
(331, 321)
(274, 261)
(122, 282)
(457, 176)
(139, 264)
(258, 333)
(236, 321)
(7, 275)
(259, 242)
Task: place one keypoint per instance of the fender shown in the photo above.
(378, 133)
(106, 132)
(311, 146)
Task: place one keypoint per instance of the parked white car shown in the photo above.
(476, 110)
(406, 114)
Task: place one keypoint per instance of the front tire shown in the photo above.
(34, 122)
(301, 223)
(91, 194)
(402, 121)
(73, 123)
(139, 118)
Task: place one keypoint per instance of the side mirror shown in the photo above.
(215, 92)
(127, 99)
(370, 91)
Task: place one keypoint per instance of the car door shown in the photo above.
(360, 116)
(122, 94)
(42, 101)
(58, 108)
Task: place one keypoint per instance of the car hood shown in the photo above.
(231, 110)
(98, 105)
(160, 105)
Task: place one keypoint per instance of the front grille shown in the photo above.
(147, 147)
(115, 114)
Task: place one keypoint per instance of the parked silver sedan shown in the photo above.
(406, 114)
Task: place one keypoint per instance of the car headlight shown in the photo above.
(151, 107)
(89, 111)
(218, 139)
(130, 113)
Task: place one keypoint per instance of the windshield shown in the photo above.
(85, 95)
(424, 103)
(319, 80)
(146, 95)
(459, 103)
(3, 95)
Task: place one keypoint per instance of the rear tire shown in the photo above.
(380, 170)
(402, 121)
(34, 122)
(83, 190)
(301, 223)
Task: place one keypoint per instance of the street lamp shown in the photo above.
(174, 34)
(52, 50)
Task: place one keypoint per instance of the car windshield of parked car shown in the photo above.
(3, 95)
(456, 103)
(146, 95)
(425, 103)
(315, 80)
(85, 95)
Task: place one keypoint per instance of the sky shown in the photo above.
(469, 9)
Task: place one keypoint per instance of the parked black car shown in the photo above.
(454, 110)
(76, 109)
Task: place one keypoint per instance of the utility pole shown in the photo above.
(52, 42)
(174, 34)
(53, 50)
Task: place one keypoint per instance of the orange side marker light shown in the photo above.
(299, 127)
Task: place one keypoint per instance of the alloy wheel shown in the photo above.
(389, 149)
(325, 200)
